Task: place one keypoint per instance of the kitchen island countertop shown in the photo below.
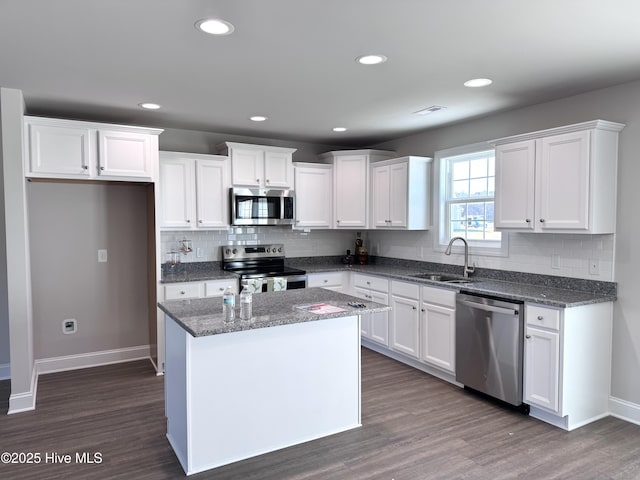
(203, 316)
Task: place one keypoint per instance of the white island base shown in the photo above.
(235, 395)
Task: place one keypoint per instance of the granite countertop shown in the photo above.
(562, 292)
(203, 316)
(548, 292)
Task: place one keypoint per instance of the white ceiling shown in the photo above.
(294, 61)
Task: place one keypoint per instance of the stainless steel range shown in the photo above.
(260, 264)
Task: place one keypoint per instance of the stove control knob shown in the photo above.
(227, 251)
(280, 250)
(235, 250)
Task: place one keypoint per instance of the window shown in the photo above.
(466, 194)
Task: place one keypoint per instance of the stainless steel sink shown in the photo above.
(437, 277)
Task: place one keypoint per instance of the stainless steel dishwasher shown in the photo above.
(489, 343)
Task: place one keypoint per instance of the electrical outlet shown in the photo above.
(69, 326)
(555, 261)
(199, 253)
(102, 255)
(594, 266)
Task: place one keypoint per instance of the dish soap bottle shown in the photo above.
(229, 305)
(246, 303)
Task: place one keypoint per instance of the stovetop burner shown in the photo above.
(256, 261)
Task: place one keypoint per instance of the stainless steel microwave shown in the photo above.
(256, 206)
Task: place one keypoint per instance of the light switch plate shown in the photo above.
(102, 256)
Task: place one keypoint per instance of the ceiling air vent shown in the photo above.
(428, 110)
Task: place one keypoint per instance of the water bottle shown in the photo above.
(246, 303)
(229, 305)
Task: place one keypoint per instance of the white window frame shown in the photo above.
(440, 238)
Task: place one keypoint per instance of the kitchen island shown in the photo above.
(287, 376)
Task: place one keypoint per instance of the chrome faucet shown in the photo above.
(467, 268)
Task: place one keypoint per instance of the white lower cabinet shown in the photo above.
(438, 328)
(374, 326)
(567, 363)
(405, 318)
(336, 281)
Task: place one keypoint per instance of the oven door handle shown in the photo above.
(489, 308)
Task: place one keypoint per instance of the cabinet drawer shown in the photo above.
(542, 317)
(326, 279)
(215, 288)
(183, 290)
(439, 296)
(374, 283)
(404, 289)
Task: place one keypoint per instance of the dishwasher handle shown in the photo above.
(489, 308)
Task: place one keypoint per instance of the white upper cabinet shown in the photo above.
(561, 180)
(124, 154)
(194, 191)
(83, 150)
(260, 166)
(314, 195)
(351, 192)
(400, 193)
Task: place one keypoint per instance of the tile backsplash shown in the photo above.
(206, 244)
(528, 252)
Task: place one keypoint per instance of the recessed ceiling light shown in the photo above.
(371, 59)
(478, 82)
(258, 118)
(149, 106)
(214, 26)
(339, 129)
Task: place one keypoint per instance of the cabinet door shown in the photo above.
(563, 193)
(177, 193)
(351, 180)
(365, 320)
(278, 169)
(405, 325)
(314, 202)
(247, 166)
(398, 194)
(438, 336)
(212, 192)
(124, 154)
(379, 327)
(59, 151)
(515, 185)
(381, 195)
(541, 368)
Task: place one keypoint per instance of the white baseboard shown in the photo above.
(624, 410)
(25, 401)
(91, 359)
(5, 371)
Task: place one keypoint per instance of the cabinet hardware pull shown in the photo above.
(414, 308)
(267, 180)
(528, 220)
(540, 317)
(422, 309)
(325, 280)
(85, 167)
(188, 221)
(101, 168)
(221, 289)
(182, 292)
(257, 180)
(527, 336)
(199, 221)
(542, 220)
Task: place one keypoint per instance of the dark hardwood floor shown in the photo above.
(414, 427)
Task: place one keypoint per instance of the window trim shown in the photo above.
(439, 202)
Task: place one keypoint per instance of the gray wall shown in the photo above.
(175, 140)
(68, 224)
(4, 305)
(619, 104)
